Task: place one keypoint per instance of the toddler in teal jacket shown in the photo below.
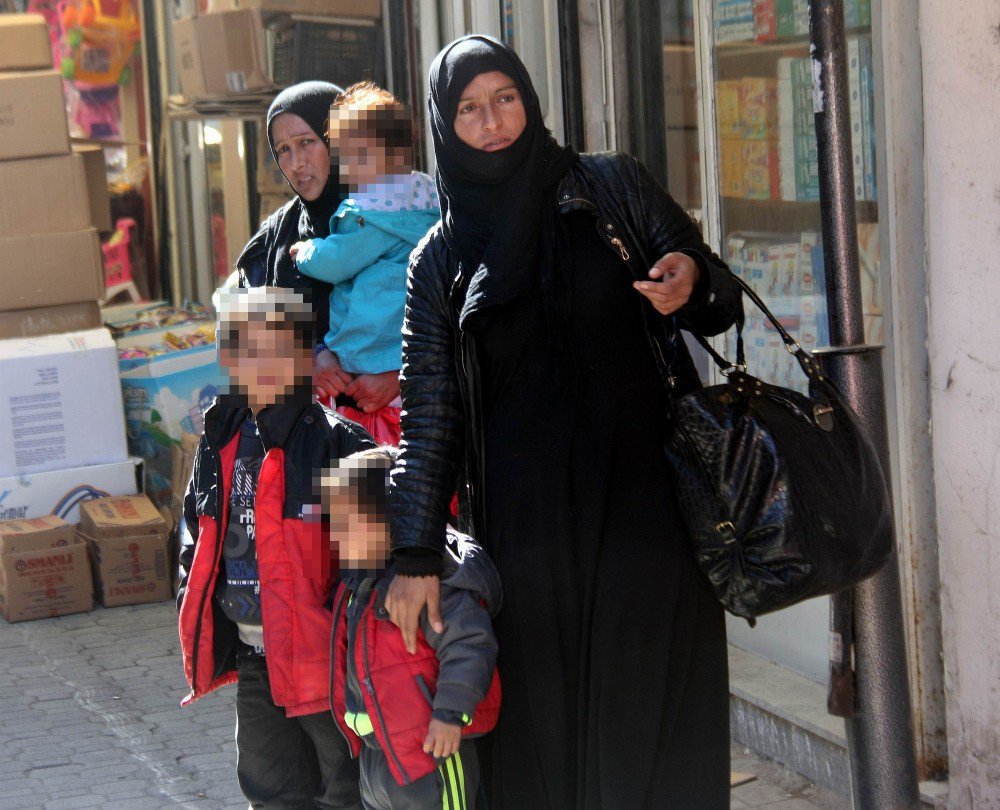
(389, 210)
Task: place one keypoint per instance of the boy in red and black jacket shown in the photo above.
(410, 717)
(256, 575)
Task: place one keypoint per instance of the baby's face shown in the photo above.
(361, 542)
(361, 158)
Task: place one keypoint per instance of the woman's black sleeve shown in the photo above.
(431, 420)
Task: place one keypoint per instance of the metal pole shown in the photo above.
(880, 733)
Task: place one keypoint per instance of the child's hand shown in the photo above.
(443, 739)
(296, 248)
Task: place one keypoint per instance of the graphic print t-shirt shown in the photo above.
(240, 596)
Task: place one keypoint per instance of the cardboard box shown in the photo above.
(124, 516)
(51, 320)
(44, 570)
(58, 268)
(96, 176)
(24, 42)
(220, 54)
(128, 540)
(60, 403)
(680, 86)
(43, 195)
(32, 115)
(60, 492)
(370, 9)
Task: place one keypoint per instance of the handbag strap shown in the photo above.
(808, 365)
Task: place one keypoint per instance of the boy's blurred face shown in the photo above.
(266, 361)
(361, 541)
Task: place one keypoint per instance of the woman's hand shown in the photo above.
(374, 391)
(329, 379)
(405, 600)
(672, 280)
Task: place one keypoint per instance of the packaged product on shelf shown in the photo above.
(60, 404)
(44, 571)
(731, 168)
(727, 104)
(759, 108)
(24, 43)
(734, 21)
(34, 115)
(761, 170)
(765, 20)
(168, 382)
(60, 492)
(128, 541)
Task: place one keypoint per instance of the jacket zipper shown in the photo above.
(371, 691)
(337, 610)
(621, 248)
(209, 592)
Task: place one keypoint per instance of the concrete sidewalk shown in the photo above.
(89, 717)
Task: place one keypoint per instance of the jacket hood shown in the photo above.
(468, 567)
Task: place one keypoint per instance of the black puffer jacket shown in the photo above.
(442, 421)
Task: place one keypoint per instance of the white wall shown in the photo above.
(960, 44)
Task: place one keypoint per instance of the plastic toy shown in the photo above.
(99, 38)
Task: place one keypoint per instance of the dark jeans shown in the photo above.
(288, 763)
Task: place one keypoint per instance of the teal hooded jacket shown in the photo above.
(365, 258)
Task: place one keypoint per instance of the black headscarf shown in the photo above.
(300, 219)
(497, 208)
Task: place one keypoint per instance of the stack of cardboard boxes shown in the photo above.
(121, 553)
(53, 199)
(62, 428)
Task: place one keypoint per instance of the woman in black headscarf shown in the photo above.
(539, 320)
(297, 136)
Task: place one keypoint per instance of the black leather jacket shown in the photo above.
(443, 438)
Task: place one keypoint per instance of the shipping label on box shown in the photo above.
(32, 115)
(59, 268)
(60, 492)
(45, 581)
(24, 43)
(60, 404)
(131, 570)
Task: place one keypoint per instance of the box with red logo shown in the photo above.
(43, 570)
(128, 540)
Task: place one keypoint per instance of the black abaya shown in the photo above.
(612, 645)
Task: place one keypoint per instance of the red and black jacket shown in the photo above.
(294, 562)
(454, 671)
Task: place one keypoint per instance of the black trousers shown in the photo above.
(288, 763)
(453, 786)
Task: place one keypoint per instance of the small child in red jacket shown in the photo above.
(411, 717)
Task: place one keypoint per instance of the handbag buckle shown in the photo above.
(823, 416)
(728, 532)
(733, 369)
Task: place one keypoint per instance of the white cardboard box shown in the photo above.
(60, 492)
(60, 403)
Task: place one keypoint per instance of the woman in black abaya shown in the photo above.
(525, 334)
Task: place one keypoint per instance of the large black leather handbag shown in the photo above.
(782, 493)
